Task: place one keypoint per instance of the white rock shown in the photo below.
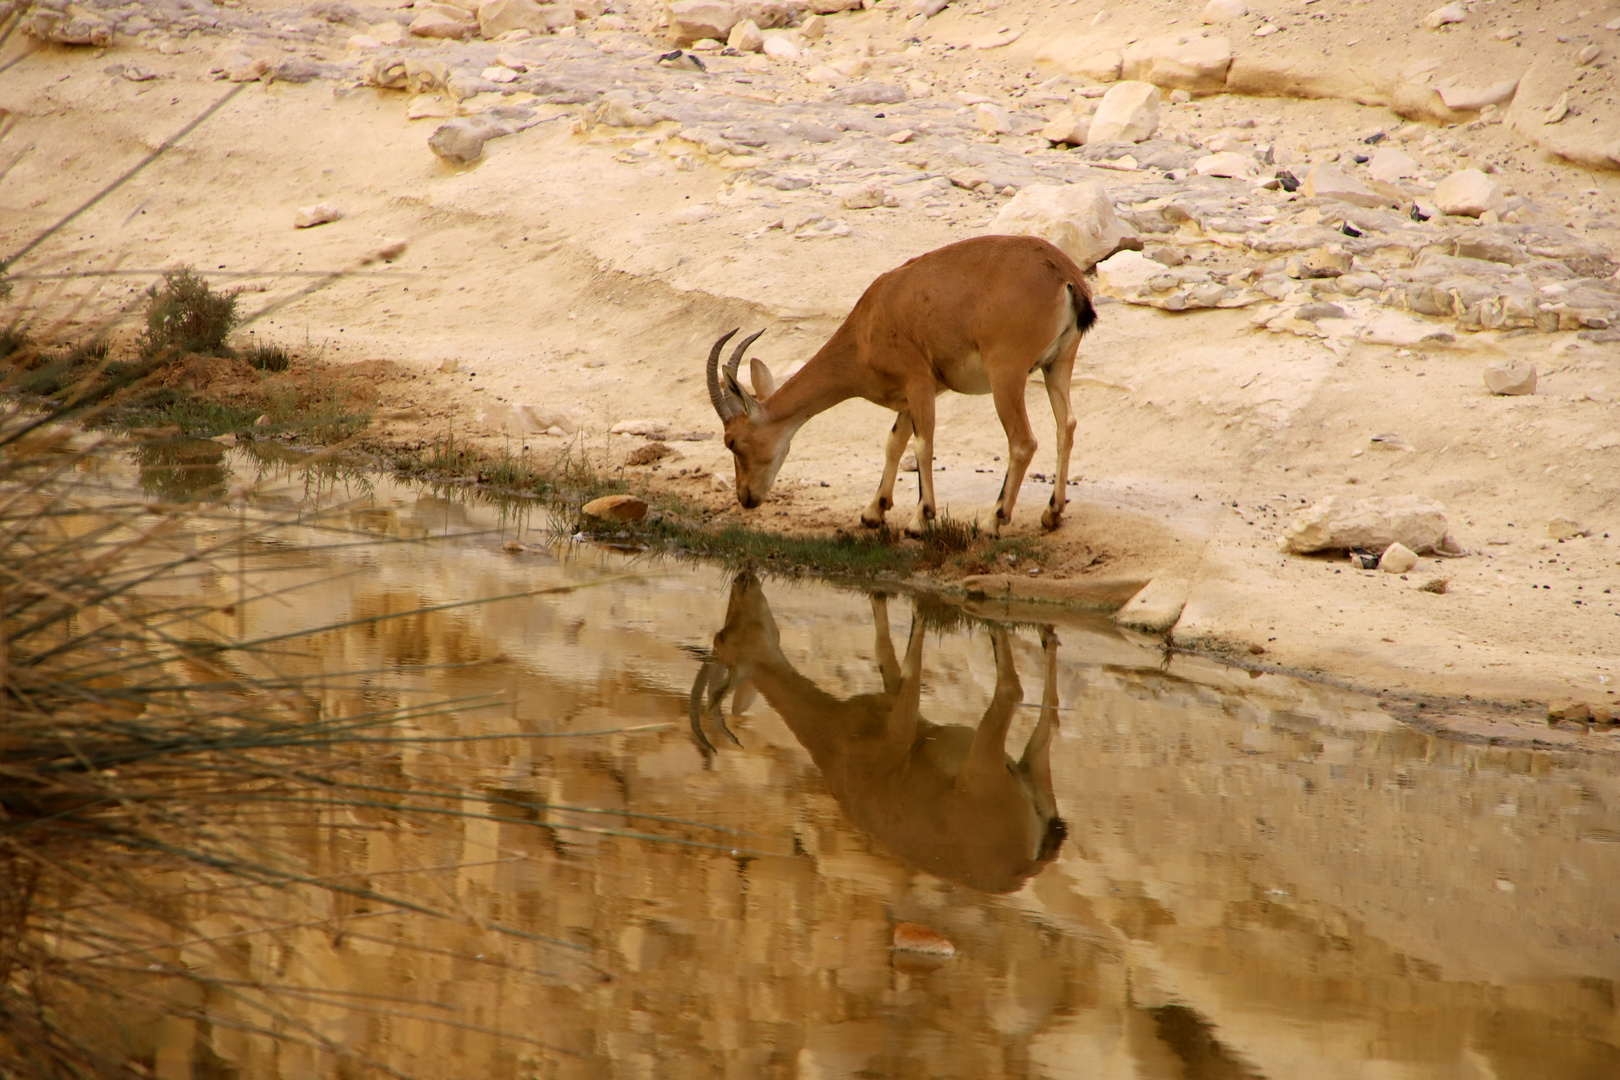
(1467, 193)
(650, 428)
(1340, 522)
(1198, 64)
(1588, 55)
(319, 214)
(499, 74)
(779, 47)
(863, 196)
(1127, 270)
(1069, 129)
(1228, 163)
(1328, 182)
(692, 20)
(442, 21)
(458, 142)
(1077, 218)
(1451, 13)
(1397, 559)
(1557, 110)
(1224, 11)
(746, 37)
(497, 17)
(992, 119)
(1566, 528)
(1091, 56)
(1510, 377)
(1464, 98)
(814, 28)
(1390, 164)
(1129, 112)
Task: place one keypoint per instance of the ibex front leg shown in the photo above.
(899, 436)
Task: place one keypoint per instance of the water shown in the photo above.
(1252, 877)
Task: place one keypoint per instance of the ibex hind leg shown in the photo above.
(1057, 377)
(899, 436)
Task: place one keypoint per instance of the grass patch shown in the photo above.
(185, 315)
(869, 553)
(267, 357)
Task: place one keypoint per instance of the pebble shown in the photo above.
(915, 937)
(1561, 527)
(1397, 559)
(615, 508)
(1467, 193)
(319, 214)
(1510, 378)
(459, 142)
(992, 119)
(1441, 16)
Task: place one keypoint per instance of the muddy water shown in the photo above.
(1253, 877)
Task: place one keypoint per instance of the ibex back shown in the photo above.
(944, 798)
(976, 317)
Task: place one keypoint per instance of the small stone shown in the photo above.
(1227, 163)
(319, 214)
(1128, 112)
(1180, 97)
(1561, 527)
(694, 20)
(1439, 586)
(968, 179)
(1587, 55)
(779, 47)
(1329, 182)
(915, 937)
(864, 196)
(901, 137)
(443, 22)
(458, 142)
(992, 119)
(615, 508)
(1557, 110)
(1077, 218)
(512, 547)
(1224, 11)
(1126, 271)
(1451, 13)
(1467, 193)
(1397, 559)
(648, 454)
(814, 28)
(649, 428)
(868, 93)
(1389, 164)
(746, 37)
(1510, 377)
(499, 74)
(1323, 262)
(1578, 712)
(1069, 129)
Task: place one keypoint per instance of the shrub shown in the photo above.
(185, 315)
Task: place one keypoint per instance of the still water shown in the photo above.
(1149, 867)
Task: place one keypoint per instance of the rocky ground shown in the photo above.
(1344, 218)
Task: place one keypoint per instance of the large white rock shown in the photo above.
(1228, 163)
(1197, 64)
(1126, 271)
(1078, 218)
(1129, 112)
(1225, 11)
(1440, 16)
(1339, 522)
(1069, 129)
(694, 20)
(1328, 182)
(746, 37)
(1389, 164)
(497, 17)
(1510, 377)
(1467, 193)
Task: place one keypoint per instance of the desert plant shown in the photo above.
(267, 357)
(185, 315)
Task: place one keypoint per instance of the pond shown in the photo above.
(681, 811)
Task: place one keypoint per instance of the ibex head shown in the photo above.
(758, 444)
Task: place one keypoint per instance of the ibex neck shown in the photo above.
(823, 382)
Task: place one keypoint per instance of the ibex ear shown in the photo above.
(764, 381)
(735, 388)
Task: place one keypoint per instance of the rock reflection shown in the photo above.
(944, 798)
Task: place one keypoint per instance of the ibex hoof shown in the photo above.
(1051, 519)
(872, 521)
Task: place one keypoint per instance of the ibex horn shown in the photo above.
(737, 353)
(721, 400)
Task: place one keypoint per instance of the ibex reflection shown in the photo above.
(944, 798)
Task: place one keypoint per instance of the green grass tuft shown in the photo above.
(185, 315)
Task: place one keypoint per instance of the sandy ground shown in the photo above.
(585, 270)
